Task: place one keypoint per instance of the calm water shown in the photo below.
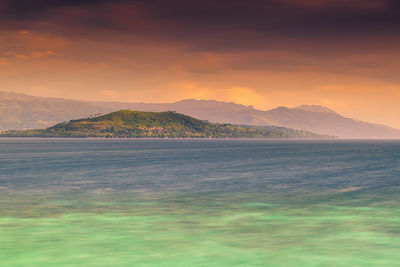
(199, 203)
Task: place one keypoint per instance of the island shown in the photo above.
(168, 124)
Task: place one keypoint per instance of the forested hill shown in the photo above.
(126, 123)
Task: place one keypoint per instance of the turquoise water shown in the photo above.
(92, 202)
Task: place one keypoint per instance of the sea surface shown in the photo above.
(129, 202)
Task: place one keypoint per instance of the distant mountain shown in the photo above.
(18, 111)
(317, 119)
(315, 108)
(126, 123)
(329, 123)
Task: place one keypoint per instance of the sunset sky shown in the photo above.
(343, 54)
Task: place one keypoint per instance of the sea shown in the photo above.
(199, 202)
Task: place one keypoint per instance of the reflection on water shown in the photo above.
(199, 202)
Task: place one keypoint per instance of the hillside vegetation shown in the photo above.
(126, 123)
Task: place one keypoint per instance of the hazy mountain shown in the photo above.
(329, 123)
(313, 118)
(18, 111)
(128, 124)
(315, 108)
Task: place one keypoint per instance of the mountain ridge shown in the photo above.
(40, 112)
(315, 108)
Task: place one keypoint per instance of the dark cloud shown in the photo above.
(209, 25)
(20, 9)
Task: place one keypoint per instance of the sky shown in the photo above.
(343, 54)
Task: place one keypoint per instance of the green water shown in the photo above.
(199, 203)
(207, 230)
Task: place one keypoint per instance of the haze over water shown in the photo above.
(96, 202)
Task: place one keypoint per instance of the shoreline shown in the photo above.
(192, 138)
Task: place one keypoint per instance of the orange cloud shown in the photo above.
(36, 41)
(31, 55)
(23, 32)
